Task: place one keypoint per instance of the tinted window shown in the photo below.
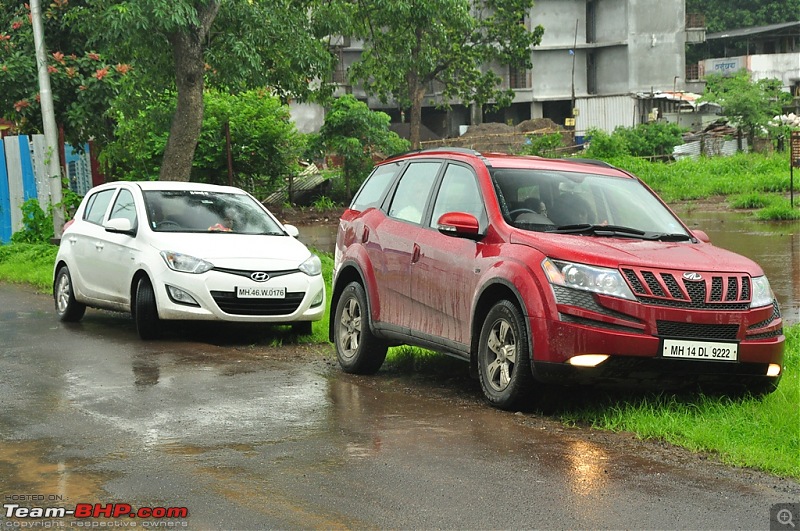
(124, 207)
(459, 193)
(413, 190)
(97, 205)
(374, 187)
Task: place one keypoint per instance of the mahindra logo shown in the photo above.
(260, 276)
(693, 277)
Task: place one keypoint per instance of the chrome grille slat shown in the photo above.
(714, 291)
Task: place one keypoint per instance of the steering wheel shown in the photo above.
(167, 223)
(521, 211)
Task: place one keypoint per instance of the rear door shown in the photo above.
(86, 243)
(396, 250)
(444, 277)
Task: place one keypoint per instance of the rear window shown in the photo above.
(96, 206)
(373, 189)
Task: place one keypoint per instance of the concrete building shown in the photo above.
(596, 59)
(767, 52)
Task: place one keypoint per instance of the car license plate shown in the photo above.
(700, 350)
(260, 293)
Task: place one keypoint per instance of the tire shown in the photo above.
(358, 351)
(504, 358)
(67, 308)
(303, 328)
(145, 312)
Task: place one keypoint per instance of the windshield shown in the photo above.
(203, 211)
(583, 203)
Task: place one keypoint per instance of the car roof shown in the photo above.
(506, 161)
(175, 185)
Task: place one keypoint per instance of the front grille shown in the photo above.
(229, 303)
(247, 273)
(677, 329)
(714, 291)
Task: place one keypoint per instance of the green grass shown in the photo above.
(28, 263)
(706, 177)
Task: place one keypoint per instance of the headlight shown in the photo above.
(312, 266)
(587, 278)
(762, 293)
(185, 263)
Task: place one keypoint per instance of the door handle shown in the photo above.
(415, 254)
(99, 246)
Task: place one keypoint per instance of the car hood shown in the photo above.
(240, 251)
(615, 252)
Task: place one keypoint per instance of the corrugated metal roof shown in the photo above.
(755, 30)
(305, 181)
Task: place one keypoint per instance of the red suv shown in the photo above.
(539, 270)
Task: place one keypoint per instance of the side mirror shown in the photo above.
(701, 235)
(459, 224)
(120, 225)
(292, 231)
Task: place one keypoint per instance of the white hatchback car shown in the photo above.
(185, 251)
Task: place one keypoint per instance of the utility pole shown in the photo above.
(52, 167)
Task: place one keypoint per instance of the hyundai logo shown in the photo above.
(260, 276)
(692, 276)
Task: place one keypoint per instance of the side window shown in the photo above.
(413, 190)
(459, 193)
(97, 206)
(124, 207)
(372, 191)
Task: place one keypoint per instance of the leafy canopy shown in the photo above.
(411, 45)
(357, 134)
(265, 142)
(751, 105)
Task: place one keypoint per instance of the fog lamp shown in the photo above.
(180, 296)
(773, 370)
(587, 360)
(318, 298)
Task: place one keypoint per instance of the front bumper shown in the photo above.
(215, 295)
(631, 334)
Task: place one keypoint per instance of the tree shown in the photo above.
(357, 134)
(84, 82)
(724, 15)
(750, 105)
(233, 45)
(410, 44)
(265, 142)
(178, 45)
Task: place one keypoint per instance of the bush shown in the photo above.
(38, 225)
(644, 140)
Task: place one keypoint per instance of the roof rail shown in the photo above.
(593, 162)
(451, 148)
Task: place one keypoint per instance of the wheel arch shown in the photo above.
(349, 272)
(499, 288)
(138, 275)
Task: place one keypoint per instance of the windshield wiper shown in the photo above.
(671, 237)
(600, 230)
(619, 231)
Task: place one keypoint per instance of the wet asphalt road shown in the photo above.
(247, 434)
